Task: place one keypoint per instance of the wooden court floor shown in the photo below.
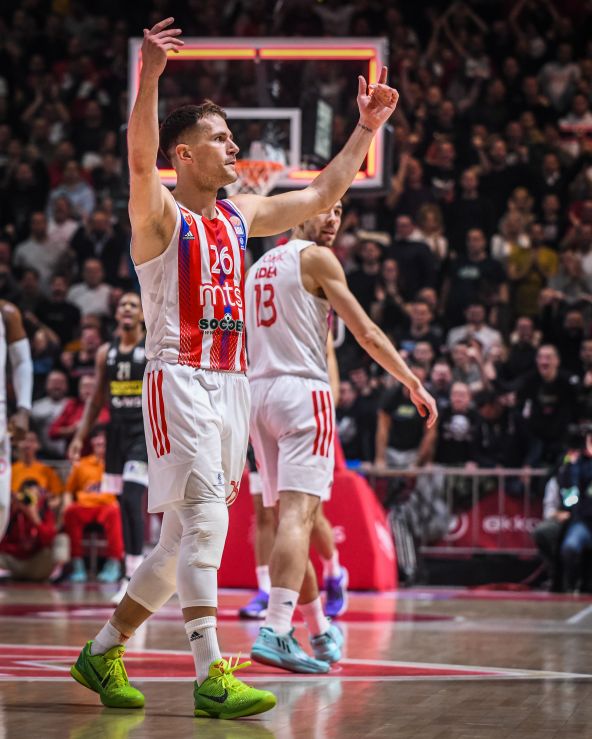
(419, 664)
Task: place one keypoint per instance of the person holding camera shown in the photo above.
(32, 547)
(575, 481)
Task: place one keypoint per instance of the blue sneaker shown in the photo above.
(327, 646)
(256, 607)
(282, 650)
(111, 571)
(336, 590)
(78, 573)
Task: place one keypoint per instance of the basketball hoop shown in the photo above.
(255, 176)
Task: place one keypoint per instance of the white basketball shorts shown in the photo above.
(195, 421)
(292, 428)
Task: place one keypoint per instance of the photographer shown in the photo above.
(31, 547)
(575, 482)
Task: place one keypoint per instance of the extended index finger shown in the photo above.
(161, 25)
(383, 75)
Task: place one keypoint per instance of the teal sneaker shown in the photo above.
(282, 650)
(78, 573)
(327, 646)
(106, 675)
(222, 695)
(111, 571)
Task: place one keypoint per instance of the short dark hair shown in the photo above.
(183, 118)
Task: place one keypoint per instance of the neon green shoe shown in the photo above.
(106, 675)
(222, 695)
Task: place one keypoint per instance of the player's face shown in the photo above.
(323, 228)
(210, 152)
(129, 311)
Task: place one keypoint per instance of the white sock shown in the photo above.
(263, 581)
(316, 621)
(107, 637)
(203, 641)
(331, 567)
(132, 562)
(282, 603)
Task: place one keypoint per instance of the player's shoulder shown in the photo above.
(317, 257)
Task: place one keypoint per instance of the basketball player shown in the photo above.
(334, 575)
(188, 249)
(289, 293)
(13, 340)
(120, 367)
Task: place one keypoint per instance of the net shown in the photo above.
(255, 176)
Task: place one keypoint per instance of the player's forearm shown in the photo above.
(335, 179)
(92, 409)
(142, 132)
(376, 343)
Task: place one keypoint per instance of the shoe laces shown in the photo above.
(116, 669)
(227, 679)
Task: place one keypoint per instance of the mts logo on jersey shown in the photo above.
(226, 294)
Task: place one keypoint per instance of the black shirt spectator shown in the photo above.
(457, 429)
(469, 210)
(417, 263)
(100, 240)
(363, 281)
(57, 313)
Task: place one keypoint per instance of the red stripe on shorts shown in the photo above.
(167, 443)
(315, 449)
(160, 450)
(330, 418)
(323, 449)
(152, 428)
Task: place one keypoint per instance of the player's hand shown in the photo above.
(75, 450)
(18, 425)
(157, 42)
(425, 405)
(377, 102)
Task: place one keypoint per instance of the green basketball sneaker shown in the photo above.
(222, 695)
(106, 675)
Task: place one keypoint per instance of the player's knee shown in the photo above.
(265, 517)
(204, 535)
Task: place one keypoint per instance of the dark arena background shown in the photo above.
(466, 236)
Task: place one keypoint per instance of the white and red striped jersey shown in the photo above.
(286, 325)
(192, 293)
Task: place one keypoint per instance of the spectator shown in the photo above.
(457, 429)
(552, 220)
(584, 396)
(529, 270)
(512, 236)
(546, 400)
(408, 191)
(402, 438)
(474, 278)
(549, 533)
(367, 406)
(78, 192)
(31, 295)
(65, 425)
(61, 226)
(29, 468)
(570, 284)
(417, 264)
(523, 343)
(39, 252)
(474, 328)
(364, 281)
(350, 424)
(419, 327)
(47, 409)
(91, 295)
(98, 240)
(440, 384)
(9, 288)
(90, 505)
(61, 316)
(468, 366)
(496, 435)
(431, 230)
(388, 308)
(31, 548)
(469, 211)
(558, 79)
(81, 362)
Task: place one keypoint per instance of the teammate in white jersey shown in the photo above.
(290, 291)
(14, 342)
(188, 249)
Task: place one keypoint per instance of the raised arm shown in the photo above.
(19, 352)
(93, 406)
(272, 215)
(323, 266)
(151, 206)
